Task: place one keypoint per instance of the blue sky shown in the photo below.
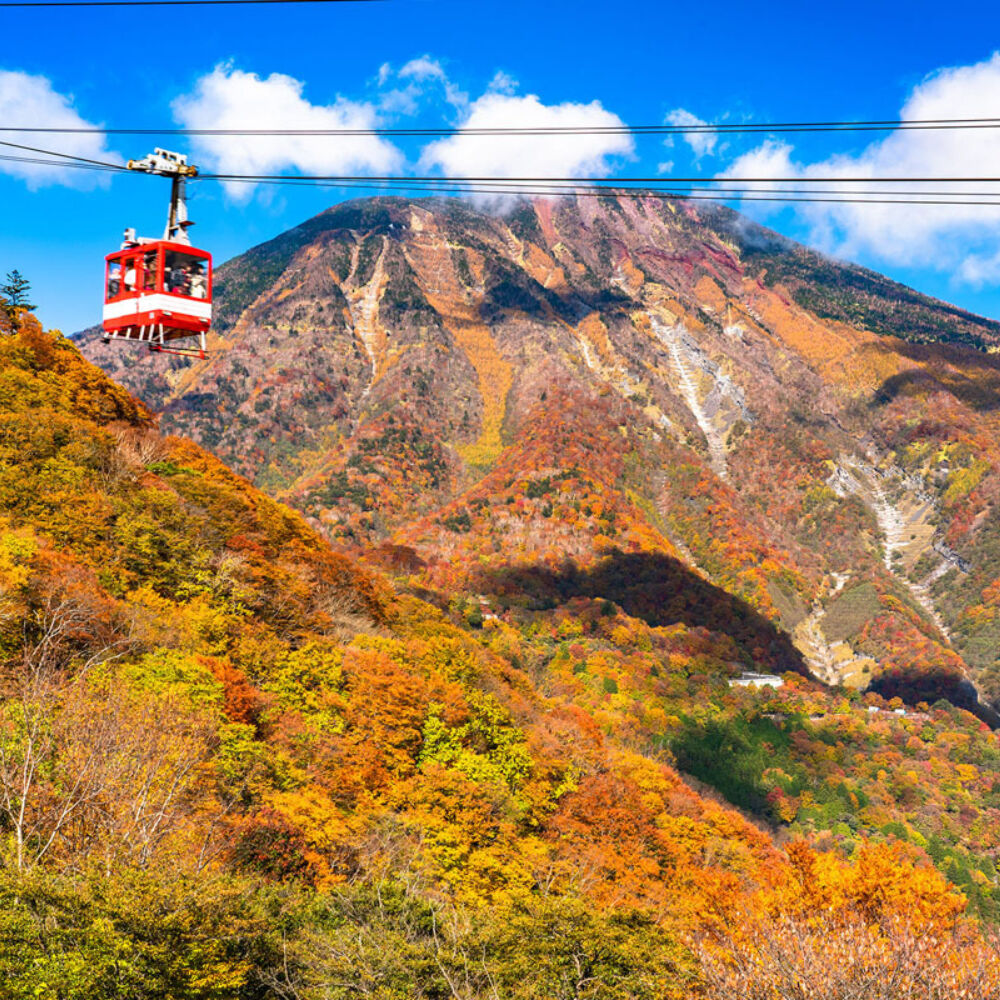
(429, 62)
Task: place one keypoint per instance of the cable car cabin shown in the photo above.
(159, 293)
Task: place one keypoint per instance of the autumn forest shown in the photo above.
(589, 600)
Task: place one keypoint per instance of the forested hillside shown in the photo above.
(232, 763)
(235, 764)
(485, 718)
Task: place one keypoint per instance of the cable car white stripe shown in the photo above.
(158, 302)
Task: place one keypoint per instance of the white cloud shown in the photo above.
(418, 79)
(502, 83)
(701, 143)
(229, 98)
(578, 156)
(27, 100)
(979, 269)
(423, 68)
(961, 239)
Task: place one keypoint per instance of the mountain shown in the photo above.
(502, 404)
(236, 763)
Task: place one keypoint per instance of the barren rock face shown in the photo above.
(572, 379)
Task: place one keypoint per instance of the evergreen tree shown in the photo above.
(15, 291)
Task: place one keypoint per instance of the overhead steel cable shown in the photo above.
(161, 3)
(512, 185)
(658, 179)
(722, 128)
(64, 156)
(665, 187)
(501, 188)
(69, 164)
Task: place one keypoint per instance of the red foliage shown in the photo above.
(243, 702)
(268, 844)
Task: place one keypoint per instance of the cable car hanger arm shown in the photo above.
(164, 163)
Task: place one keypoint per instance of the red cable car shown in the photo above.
(159, 292)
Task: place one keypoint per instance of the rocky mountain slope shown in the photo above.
(474, 394)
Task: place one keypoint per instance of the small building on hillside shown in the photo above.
(749, 679)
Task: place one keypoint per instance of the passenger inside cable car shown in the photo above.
(114, 279)
(199, 282)
(184, 274)
(149, 271)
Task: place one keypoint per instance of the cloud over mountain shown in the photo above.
(420, 81)
(963, 238)
(466, 154)
(701, 143)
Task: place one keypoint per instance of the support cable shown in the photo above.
(554, 130)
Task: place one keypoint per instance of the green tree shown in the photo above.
(132, 934)
(15, 291)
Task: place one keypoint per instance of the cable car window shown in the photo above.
(130, 275)
(185, 274)
(149, 271)
(114, 279)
